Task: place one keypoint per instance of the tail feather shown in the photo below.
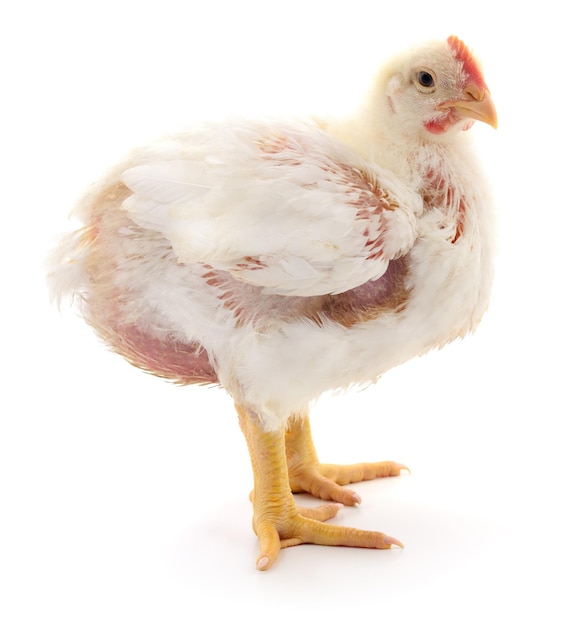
(67, 273)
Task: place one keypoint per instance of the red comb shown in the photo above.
(462, 53)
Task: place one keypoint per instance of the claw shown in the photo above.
(392, 541)
(263, 563)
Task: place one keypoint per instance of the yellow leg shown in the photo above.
(325, 480)
(277, 521)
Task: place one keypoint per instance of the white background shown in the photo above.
(124, 499)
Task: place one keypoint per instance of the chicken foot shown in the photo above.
(277, 521)
(325, 481)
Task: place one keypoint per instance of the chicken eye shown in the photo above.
(425, 79)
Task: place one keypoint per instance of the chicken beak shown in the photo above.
(477, 104)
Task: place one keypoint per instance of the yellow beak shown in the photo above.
(477, 104)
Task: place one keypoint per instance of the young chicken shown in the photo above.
(281, 259)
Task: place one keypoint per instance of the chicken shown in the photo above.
(284, 258)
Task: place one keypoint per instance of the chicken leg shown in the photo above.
(277, 521)
(325, 481)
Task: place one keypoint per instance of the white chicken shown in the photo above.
(282, 259)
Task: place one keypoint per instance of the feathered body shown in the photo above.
(141, 292)
(284, 259)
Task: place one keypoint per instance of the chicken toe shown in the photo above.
(325, 481)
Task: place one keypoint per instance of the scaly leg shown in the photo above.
(277, 521)
(323, 480)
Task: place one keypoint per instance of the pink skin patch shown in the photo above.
(182, 363)
(440, 125)
(443, 122)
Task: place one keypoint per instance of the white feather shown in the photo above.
(292, 212)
